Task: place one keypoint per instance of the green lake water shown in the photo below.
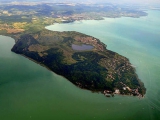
(29, 91)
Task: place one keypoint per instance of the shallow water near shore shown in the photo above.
(30, 91)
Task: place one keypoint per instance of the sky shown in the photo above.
(123, 1)
(99, 1)
(115, 1)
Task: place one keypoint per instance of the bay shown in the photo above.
(30, 91)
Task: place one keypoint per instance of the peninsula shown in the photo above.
(83, 60)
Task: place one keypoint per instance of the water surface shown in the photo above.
(29, 91)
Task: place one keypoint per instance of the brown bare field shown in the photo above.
(14, 30)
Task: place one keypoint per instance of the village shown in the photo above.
(132, 92)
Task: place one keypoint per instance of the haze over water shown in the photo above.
(29, 91)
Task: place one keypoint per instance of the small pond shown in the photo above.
(82, 47)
